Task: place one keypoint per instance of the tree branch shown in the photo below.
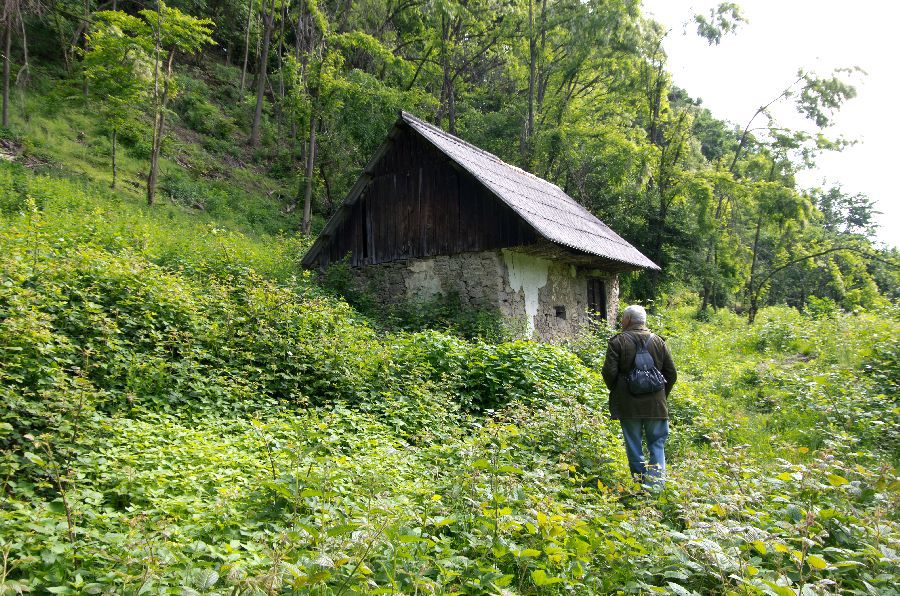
(784, 266)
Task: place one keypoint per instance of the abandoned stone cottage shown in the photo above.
(434, 215)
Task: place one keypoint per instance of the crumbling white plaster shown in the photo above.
(528, 274)
(422, 284)
(486, 280)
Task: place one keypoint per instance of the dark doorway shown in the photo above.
(596, 297)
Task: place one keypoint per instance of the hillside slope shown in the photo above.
(206, 167)
(184, 411)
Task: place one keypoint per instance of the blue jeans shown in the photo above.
(656, 431)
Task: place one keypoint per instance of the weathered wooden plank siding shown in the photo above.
(419, 204)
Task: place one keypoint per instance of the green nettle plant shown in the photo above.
(181, 412)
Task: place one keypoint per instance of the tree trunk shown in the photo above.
(114, 168)
(541, 76)
(154, 160)
(658, 241)
(345, 14)
(268, 24)
(752, 291)
(7, 47)
(284, 16)
(246, 45)
(62, 39)
(754, 308)
(155, 151)
(525, 149)
(310, 165)
(298, 34)
(451, 110)
(708, 285)
(447, 104)
(158, 129)
(25, 71)
(281, 90)
(87, 19)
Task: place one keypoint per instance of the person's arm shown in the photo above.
(668, 369)
(610, 370)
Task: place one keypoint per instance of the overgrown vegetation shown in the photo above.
(279, 104)
(184, 411)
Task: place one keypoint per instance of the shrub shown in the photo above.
(779, 329)
(590, 344)
(447, 312)
(134, 136)
(198, 113)
(818, 308)
(182, 189)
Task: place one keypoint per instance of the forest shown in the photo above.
(185, 410)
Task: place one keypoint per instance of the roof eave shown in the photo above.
(606, 261)
(406, 121)
(410, 120)
(309, 259)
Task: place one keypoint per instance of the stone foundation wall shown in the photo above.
(546, 299)
(475, 277)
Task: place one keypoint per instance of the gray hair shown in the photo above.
(636, 313)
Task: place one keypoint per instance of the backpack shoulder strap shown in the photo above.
(633, 339)
(639, 346)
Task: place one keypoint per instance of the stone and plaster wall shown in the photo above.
(546, 299)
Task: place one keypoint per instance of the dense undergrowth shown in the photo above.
(206, 167)
(184, 411)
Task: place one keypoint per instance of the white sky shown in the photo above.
(751, 66)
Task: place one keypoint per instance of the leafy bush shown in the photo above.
(182, 189)
(198, 113)
(590, 344)
(183, 410)
(13, 195)
(447, 312)
(779, 329)
(818, 308)
(134, 136)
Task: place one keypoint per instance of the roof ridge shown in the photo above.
(407, 116)
(584, 215)
(544, 205)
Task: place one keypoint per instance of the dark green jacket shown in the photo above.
(620, 354)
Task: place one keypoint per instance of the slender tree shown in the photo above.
(268, 19)
(246, 45)
(7, 24)
(118, 68)
(464, 35)
(12, 20)
(169, 31)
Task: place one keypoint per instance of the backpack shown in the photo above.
(644, 378)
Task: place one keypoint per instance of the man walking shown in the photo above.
(640, 415)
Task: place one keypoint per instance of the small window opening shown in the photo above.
(560, 312)
(596, 297)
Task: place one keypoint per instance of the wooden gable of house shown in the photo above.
(416, 202)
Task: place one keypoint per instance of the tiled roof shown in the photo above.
(551, 212)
